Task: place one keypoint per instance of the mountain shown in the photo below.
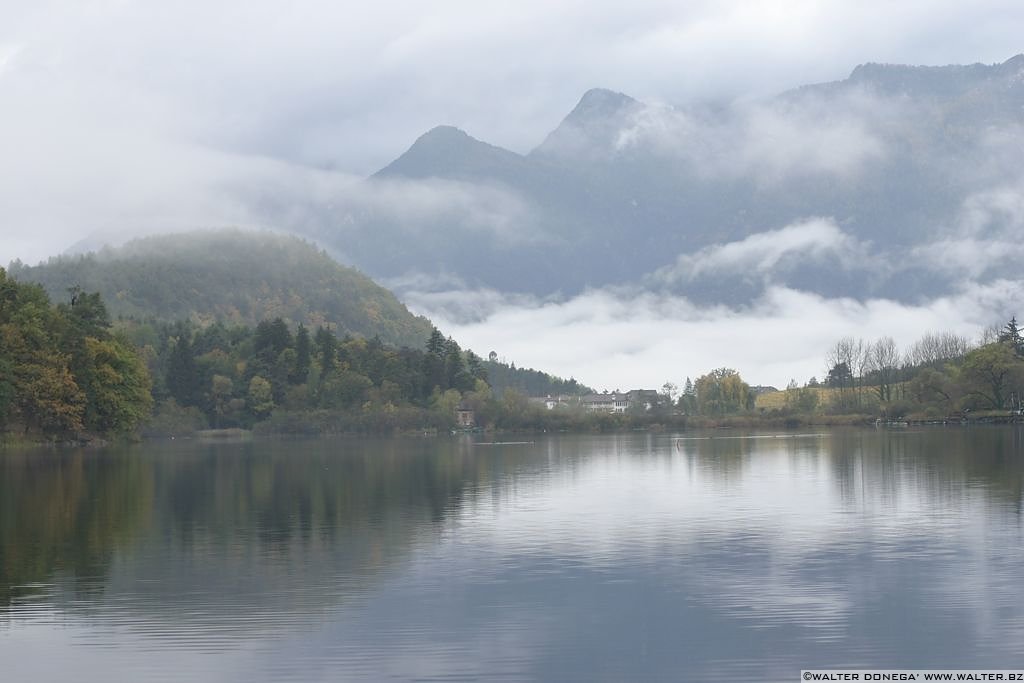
(450, 152)
(592, 128)
(892, 160)
(238, 277)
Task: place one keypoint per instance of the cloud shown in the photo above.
(780, 142)
(770, 142)
(620, 339)
(480, 208)
(458, 305)
(106, 177)
(117, 107)
(995, 211)
(984, 241)
(641, 336)
(765, 255)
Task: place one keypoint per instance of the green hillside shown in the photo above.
(234, 276)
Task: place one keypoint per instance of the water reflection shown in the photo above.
(604, 557)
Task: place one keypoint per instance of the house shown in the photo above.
(551, 402)
(616, 402)
(465, 416)
(613, 402)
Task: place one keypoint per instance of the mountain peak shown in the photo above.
(591, 127)
(444, 134)
(1013, 64)
(600, 102)
(449, 152)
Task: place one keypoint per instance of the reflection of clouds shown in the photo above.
(777, 539)
(629, 557)
(773, 546)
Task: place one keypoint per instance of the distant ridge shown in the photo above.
(621, 190)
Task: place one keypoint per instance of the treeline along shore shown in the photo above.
(68, 373)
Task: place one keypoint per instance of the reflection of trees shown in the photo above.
(201, 518)
(941, 461)
(66, 512)
(215, 512)
(724, 456)
(297, 490)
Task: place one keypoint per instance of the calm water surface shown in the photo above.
(638, 557)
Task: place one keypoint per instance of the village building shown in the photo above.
(465, 416)
(612, 402)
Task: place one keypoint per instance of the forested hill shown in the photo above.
(233, 276)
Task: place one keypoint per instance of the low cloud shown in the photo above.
(107, 180)
(984, 241)
(997, 211)
(642, 336)
(769, 142)
(765, 255)
(627, 339)
(480, 209)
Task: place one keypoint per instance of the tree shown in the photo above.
(260, 398)
(669, 392)
(436, 343)
(49, 399)
(326, 350)
(885, 360)
(444, 403)
(434, 366)
(801, 400)
(86, 314)
(933, 350)
(847, 361)
(839, 376)
(514, 408)
(688, 399)
(271, 338)
(344, 389)
(934, 387)
(116, 385)
(475, 367)
(7, 387)
(1011, 335)
(723, 392)
(182, 377)
(221, 392)
(303, 356)
(992, 372)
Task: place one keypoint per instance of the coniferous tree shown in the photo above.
(1010, 334)
(303, 356)
(326, 350)
(182, 376)
(475, 367)
(433, 367)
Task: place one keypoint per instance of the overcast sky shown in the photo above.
(97, 93)
(121, 115)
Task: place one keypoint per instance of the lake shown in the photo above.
(693, 556)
